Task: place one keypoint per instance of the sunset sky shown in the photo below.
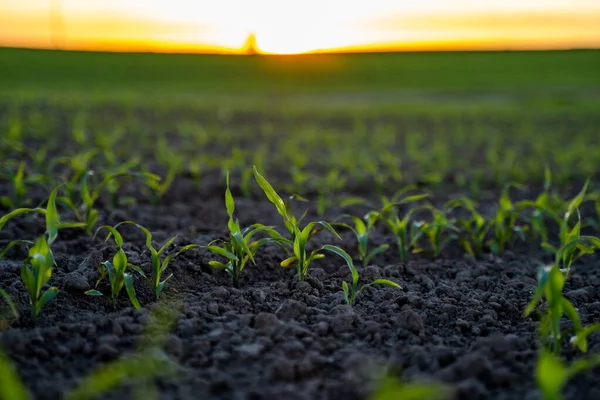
(291, 26)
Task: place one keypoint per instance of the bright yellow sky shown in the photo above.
(290, 26)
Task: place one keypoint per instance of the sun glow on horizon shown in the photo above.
(298, 26)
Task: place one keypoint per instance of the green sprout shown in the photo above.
(473, 230)
(505, 222)
(20, 186)
(547, 204)
(573, 245)
(361, 229)
(116, 271)
(440, 232)
(299, 257)
(550, 285)
(552, 374)
(35, 273)
(86, 211)
(352, 290)
(406, 231)
(157, 283)
(240, 248)
(173, 162)
(79, 164)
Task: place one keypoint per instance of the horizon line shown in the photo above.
(217, 50)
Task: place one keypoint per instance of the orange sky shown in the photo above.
(291, 26)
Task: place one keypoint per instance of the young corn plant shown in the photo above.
(572, 245)
(35, 273)
(406, 231)
(84, 207)
(550, 286)
(547, 204)
(473, 230)
(361, 229)
(116, 271)
(505, 222)
(20, 186)
(351, 291)
(552, 374)
(240, 248)
(440, 232)
(159, 266)
(299, 258)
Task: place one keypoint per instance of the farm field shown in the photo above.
(461, 188)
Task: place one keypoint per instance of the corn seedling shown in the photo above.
(300, 258)
(173, 162)
(406, 231)
(35, 273)
(361, 229)
(552, 374)
(240, 248)
(157, 283)
(573, 245)
(79, 164)
(20, 186)
(84, 208)
(473, 230)
(505, 222)
(352, 290)
(116, 271)
(439, 232)
(547, 204)
(550, 286)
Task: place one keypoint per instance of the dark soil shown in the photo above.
(456, 320)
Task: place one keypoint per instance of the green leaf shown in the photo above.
(346, 292)
(93, 292)
(11, 387)
(229, 202)
(386, 282)
(288, 262)
(11, 245)
(413, 198)
(52, 217)
(340, 252)
(120, 261)
(138, 270)
(112, 231)
(374, 252)
(162, 284)
(361, 228)
(166, 245)
(46, 297)
(217, 265)
(551, 375)
(271, 193)
(131, 291)
(19, 211)
(222, 252)
(580, 339)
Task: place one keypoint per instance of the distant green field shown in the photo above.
(395, 75)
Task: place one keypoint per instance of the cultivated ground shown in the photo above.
(458, 319)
